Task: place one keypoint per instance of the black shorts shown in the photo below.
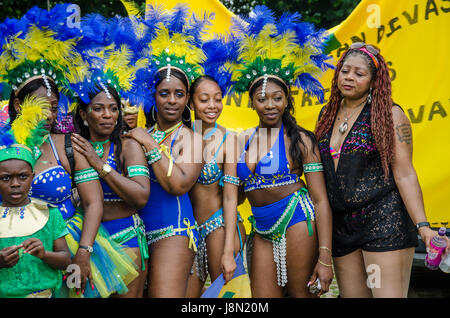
(381, 226)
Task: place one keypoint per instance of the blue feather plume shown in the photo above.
(6, 136)
(178, 18)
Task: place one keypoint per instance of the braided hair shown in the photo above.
(382, 124)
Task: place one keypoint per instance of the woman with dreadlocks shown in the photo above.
(365, 142)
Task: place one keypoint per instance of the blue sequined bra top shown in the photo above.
(54, 186)
(211, 172)
(108, 194)
(271, 171)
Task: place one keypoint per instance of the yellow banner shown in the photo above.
(413, 38)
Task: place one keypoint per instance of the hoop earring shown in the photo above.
(190, 116)
(369, 97)
(153, 114)
(85, 123)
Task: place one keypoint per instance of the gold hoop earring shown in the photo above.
(190, 116)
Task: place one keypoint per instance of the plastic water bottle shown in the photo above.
(445, 264)
(437, 246)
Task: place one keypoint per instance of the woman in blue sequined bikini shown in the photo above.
(52, 182)
(214, 197)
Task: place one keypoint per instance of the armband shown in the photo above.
(231, 179)
(134, 171)
(85, 175)
(313, 167)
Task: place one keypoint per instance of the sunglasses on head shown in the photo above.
(370, 50)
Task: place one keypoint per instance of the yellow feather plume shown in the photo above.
(141, 119)
(281, 47)
(33, 111)
(177, 45)
(131, 8)
(39, 44)
(118, 61)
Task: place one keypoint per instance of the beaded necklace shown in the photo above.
(160, 136)
(98, 147)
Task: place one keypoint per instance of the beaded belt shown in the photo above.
(277, 233)
(131, 232)
(213, 223)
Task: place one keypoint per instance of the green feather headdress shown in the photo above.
(40, 45)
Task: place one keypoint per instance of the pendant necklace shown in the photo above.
(344, 126)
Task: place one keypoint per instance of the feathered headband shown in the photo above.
(22, 139)
(286, 49)
(109, 48)
(176, 45)
(40, 45)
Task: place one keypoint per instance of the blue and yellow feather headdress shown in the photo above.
(40, 45)
(176, 44)
(287, 49)
(110, 49)
(22, 139)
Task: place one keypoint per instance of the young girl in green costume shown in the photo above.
(33, 251)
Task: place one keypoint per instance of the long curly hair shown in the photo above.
(382, 125)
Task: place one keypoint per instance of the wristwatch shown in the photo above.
(89, 248)
(420, 224)
(105, 170)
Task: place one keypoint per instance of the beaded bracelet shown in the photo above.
(313, 167)
(134, 171)
(85, 175)
(231, 179)
(153, 156)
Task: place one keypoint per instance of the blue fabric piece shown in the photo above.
(115, 226)
(54, 186)
(271, 171)
(108, 193)
(266, 216)
(164, 210)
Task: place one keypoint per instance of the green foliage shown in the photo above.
(108, 8)
(240, 6)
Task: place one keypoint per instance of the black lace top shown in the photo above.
(368, 211)
(358, 179)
